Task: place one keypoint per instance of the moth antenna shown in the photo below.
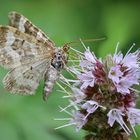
(66, 46)
(85, 40)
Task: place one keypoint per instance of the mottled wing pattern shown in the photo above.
(24, 25)
(25, 79)
(18, 48)
(27, 51)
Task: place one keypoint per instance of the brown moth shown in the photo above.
(30, 56)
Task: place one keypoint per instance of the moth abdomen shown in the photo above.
(50, 77)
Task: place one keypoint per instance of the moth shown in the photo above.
(30, 57)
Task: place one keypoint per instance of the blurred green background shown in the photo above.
(29, 117)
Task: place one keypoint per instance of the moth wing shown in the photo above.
(20, 22)
(18, 48)
(25, 79)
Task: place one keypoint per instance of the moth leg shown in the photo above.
(50, 77)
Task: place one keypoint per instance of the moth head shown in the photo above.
(60, 57)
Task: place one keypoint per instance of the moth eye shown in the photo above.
(59, 57)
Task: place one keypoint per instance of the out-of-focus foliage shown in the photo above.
(29, 117)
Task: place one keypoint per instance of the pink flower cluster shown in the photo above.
(104, 93)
